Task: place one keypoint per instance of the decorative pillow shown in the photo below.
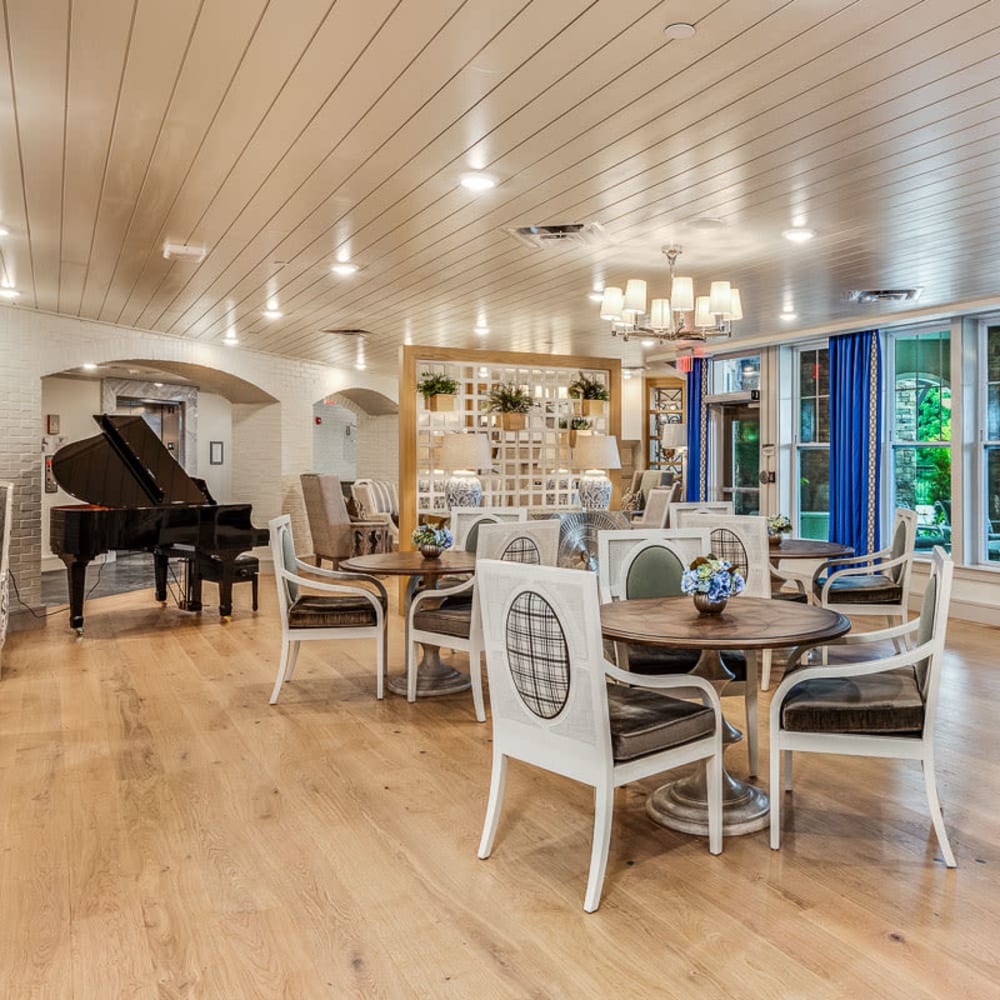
(633, 500)
(355, 510)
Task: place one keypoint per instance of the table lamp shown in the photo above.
(674, 438)
(463, 455)
(595, 455)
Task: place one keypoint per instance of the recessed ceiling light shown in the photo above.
(4, 231)
(798, 234)
(680, 29)
(483, 371)
(273, 313)
(230, 342)
(9, 293)
(477, 181)
(596, 296)
(789, 314)
(89, 366)
(344, 268)
(159, 385)
(360, 365)
(649, 343)
(481, 329)
(184, 251)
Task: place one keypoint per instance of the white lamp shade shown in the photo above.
(736, 308)
(682, 294)
(465, 451)
(612, 303)
(703, 312)
(673, 436)
(721, 294)
(659, 314)
(597, 451)
(635, 296)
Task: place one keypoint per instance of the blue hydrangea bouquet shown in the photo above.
(432, 541)
(712, 582)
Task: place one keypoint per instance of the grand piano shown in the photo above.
(138, 497)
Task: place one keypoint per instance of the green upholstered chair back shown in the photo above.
(898, 548)
(655, 572)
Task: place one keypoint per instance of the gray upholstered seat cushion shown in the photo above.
(453, 617)
(661, 660)
(872, 703)
(315, 611)
(874, 589)
(644, 722)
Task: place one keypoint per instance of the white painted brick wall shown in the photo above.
(278, 439)
(378, 447)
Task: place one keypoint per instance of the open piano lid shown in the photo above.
(125, 466)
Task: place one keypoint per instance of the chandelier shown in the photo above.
(667, 319)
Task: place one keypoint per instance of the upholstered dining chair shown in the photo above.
(379, 501)
(335, 535)
(465, 522)
(450, 616)
(657, 508)
(678, 511)
(874, 584)
(878, 707)
(650, 564)
(742, 540)
(553, 707)
(348, 606)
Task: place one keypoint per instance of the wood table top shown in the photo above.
(411, 563)
(747, 623)
(810, 548)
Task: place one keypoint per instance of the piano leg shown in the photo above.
(160, 562)
(76, 579)
(194, 579)
(226, 589)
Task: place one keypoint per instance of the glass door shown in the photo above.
(738, 457)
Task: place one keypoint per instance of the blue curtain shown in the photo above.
(855, 439)
(697, 431)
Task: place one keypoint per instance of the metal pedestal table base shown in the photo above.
(433, 677)
(683, 804)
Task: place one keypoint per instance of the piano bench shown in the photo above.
(246, 567)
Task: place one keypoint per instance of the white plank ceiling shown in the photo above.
(285, 135)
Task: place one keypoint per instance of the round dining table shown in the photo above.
(433, 676)
(747, 623)
(809, 548)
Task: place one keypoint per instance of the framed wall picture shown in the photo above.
(215, 453)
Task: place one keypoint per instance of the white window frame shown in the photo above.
(978, 508)
(798, 446)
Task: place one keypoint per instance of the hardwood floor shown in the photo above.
(166, 833)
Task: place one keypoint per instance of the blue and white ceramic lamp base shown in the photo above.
(464, 491)
(595, 491)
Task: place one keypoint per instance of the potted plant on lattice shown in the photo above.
(569, 428)
(512, 402)
(438, 392)
(591, 392)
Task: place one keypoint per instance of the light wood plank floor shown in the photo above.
(166, 833)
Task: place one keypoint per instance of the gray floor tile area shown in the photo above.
(130, 571)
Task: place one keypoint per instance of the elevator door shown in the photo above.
(166, 420)
(738, 466)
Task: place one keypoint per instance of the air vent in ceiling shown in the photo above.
(885, 295)
(587, 233)
(347, 332)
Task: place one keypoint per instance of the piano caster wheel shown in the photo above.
(79, 632)
(225, 619)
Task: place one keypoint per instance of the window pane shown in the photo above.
(923, 483)
(807, 373)
(823, 361)
(992, 525)
(814, 493)
(807, 421)
(993, 412)
(823, 419)
(993, 354)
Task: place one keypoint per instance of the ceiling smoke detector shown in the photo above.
(884, 295)
(558, 234)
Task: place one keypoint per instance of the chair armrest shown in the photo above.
(859, 571)
(869, 557)
(662, 681)
(338, 574)
(425, 595)
(782, 579)
(378, 601)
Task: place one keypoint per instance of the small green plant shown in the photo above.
(508, 398)
(587, 387)
(575, 424)
(427, 534)
(778, 525)
(431, 384)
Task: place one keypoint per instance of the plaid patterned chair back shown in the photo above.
(465, 522)
(680, 512)
(647, 550)
(742, 541)
(545, 661)
(658, 506)
(532, 542)
(6, 526)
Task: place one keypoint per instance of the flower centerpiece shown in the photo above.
(512, 402)
(712, 582)
(438, 391)
(431, 541)
(591, 392)
(776, 527)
